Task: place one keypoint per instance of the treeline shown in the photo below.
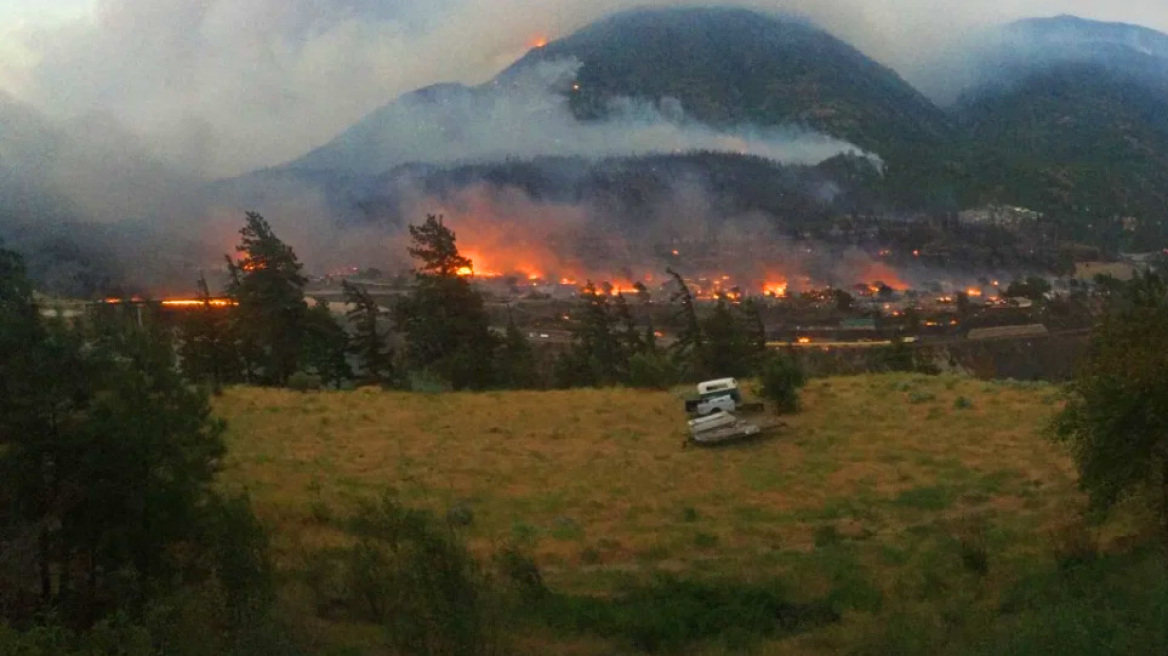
(610, 348)
(112, 536)
(439, 335)
(269, 335)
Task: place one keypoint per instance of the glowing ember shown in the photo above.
(804, 340)
(775, 289)
(198, 302)
(973, 292)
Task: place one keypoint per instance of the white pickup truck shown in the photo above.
(715, 395)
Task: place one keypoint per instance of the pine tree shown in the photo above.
(206, 348)
(369, 344)
(690, 341)
(516, 365)
(326, 345)
(628, 333)
(444, 319)
(435, 247)
(755, 328)
(597, 351)
(726, 350)
(106, 460)
(268, 287)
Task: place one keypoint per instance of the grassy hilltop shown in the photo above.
(890, 497)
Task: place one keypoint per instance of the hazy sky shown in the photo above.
(222, 86)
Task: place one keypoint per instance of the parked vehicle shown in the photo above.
(715, 395)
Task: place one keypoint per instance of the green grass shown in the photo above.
(864, 502)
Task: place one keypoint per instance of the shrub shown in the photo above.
(304, 382)
(460, 515)
(652, 370)
(781, 380)
(962, 403)
(669, 614)
(412, 573)
(705, 540)
(917, 398)
(520, 573)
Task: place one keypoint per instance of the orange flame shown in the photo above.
(776, 289)
(198, 302)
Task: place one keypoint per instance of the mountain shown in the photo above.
(655, 81)
(728, 66)
(1074, 124)
(1061, 114)
(374, 144)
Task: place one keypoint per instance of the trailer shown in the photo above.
(721, 427)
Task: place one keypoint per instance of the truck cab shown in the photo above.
(714, 395)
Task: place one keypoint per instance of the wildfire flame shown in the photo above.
(198, 302)
(177, 302)
(776, 289)
(539, 42)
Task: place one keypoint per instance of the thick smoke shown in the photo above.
(138, 104)
(220, 87)
(507, 233)
(529, 117)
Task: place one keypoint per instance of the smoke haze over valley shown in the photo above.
(155, 123)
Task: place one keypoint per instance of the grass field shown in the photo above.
(881, 484)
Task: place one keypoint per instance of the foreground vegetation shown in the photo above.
(929, 513)
(899, 513)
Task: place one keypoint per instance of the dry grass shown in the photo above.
(599, 483)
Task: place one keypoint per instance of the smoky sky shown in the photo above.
(220, 87)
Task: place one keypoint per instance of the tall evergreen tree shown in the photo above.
(628, 333)
(516, 367)
(206, 347)
(436, 249)
(690, 341)
(106, 459)
(726, 348)
(267, 284)
(444, 319)
(755, 328)
(597, 345)
(326, 346)
(369, 343)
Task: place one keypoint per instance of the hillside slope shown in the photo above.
(729, 66)
(1074, 141)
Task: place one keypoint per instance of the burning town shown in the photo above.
(507, 328)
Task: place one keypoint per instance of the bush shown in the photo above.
(410, 572)
(521, 574)
(652, 371)
(304, 382)
(916, 398)
(669, 614)
(781, 380)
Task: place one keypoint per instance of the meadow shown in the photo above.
(895, 500)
